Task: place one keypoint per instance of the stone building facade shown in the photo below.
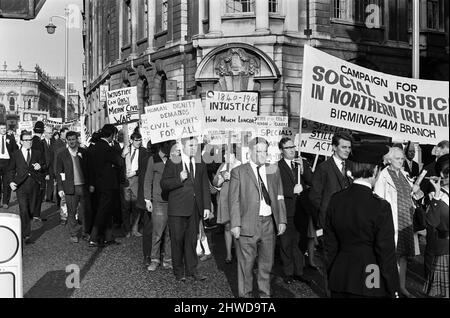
(179, 49)
(27, 90)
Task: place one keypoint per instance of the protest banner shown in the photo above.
(122, 105)
(316, 137)
(229, 110)
(273, 128)
(34, 115)
(25, 125)
(174, 120)
(339, 93)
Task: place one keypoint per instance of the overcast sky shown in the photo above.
(29, 42)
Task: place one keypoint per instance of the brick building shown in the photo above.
(27, 90)
(179, 49)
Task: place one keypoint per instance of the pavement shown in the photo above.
(52, 263)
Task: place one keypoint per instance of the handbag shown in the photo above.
(419, 219)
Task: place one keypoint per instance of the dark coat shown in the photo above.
(181, 195)
(359, 231)
(106, 162)
(438, 227)
(414, 172)
(327, 180)
(64, 164)
(20, 171)
(11, 144)
(49, 155)
(58, 145)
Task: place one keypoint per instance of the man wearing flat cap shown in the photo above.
(359, 234)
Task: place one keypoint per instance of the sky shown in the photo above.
(29, 43)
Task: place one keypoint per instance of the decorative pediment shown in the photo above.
(236, 61)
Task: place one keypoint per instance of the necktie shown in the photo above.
(191, 169)
(28, 156)
(293, 170)
(344, 173)
(3, 145)
(132, 156)
(264, 192)
(343, 167)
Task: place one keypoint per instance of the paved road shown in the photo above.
(118, 271)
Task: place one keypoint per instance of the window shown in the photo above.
(12, 104)
(29, 103)
(164, 15)
(126, 18)
(273, 6)
(358, 11)
(434, 17)
(142, 19)
(240, 6)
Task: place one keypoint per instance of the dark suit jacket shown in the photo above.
(359, 231)
(327, 180)
(244, 198)
(106, 162)
(181, 194)
(414, 172)
(20, 171)
(10, 144)
(64, 164)
(58, 145)
(289, 180)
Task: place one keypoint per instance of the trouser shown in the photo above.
(183, 240)
(291, 256)
(49, 187)
(160, 234)
(147, 234)
(5, 190)
(27, 194)
(260, 246)
(129, 199)
(80, 200)
(38, 203)
(103, 219)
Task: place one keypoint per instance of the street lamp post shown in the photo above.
(51, 30)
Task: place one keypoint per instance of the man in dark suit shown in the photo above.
(27, 169)
(38, 144)
(331, 175)
(410, 166)
(136, 158)
(49, 157)
(104, 181)
(359, 242)
(72, 178)
(291, 256)
(256, 202)
(7, 147)
(187, 184)
(59, 145)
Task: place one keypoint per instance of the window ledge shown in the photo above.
(244, 15)
(429, 31)
(353, 23)
(141, 41)
(160, 33)
(125, 47)
(276, 16)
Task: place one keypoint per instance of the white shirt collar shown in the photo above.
(338, 162)
(364, 183)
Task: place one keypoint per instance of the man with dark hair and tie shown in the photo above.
(38, 144)
(291, 256)
(27, 170)
(7, 147)
(186, 182)
(256, 202)
(331, 175)
(411, 167)
(49, 157)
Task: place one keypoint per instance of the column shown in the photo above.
(262, 16)
(201, 15)
(291, 16)
(215, 19)
(120, 6)
(151, 24)
(134, 26)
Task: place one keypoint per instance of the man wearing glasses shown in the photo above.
(27, 174)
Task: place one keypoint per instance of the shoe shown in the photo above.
(314, 267)
(27, 240)
(85, 237)
(198, 277)
(228, 261)
(137, 234)
(302, 279)
(180, 278)
(96, 244)
(112, 242)
(406, 294)
(63, 222)
(128, 235)
(153, 266)
(205, 257)
(74, 239)
(5, 206)
(167, 266)
(288, 280)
